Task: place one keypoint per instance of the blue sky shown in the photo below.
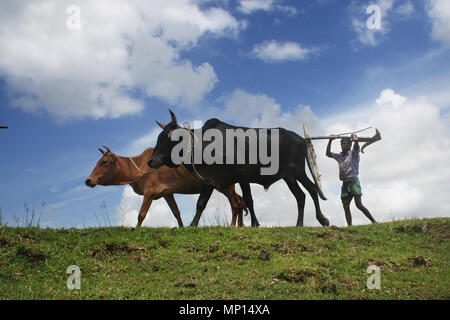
(66, 91)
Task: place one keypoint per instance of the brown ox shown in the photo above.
(112, 169)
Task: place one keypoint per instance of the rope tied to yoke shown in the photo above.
(192, 140)
(143, 173)
(139, 169)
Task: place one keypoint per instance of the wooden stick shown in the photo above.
(360, 139)
(343, 134)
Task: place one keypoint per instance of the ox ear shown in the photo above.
(170, 134)
(162, 125)
(174, 117)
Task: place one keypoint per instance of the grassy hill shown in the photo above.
(228, 263)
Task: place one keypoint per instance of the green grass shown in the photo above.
(228, 263)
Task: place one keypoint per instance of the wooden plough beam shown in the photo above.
(368, 140)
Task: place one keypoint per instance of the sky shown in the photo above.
(76, 75)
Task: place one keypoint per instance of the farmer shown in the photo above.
(348, 161)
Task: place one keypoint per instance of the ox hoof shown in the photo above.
(324, 222)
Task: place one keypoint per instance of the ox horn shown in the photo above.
(162, 125)
(174, 117)
(103, 152)
(107, 149)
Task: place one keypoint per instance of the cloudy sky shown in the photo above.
(76, 75)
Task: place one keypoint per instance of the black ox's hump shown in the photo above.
(212, 123)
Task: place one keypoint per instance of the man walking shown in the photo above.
(348, 161)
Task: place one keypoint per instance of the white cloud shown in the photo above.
(251, 6)
(389, 97)
(263, 111)
(121, 45)
(274, 51)
(144, 142)
(406, 9)
(439, 12)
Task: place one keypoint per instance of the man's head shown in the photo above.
(346, 144)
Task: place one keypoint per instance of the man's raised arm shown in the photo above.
(328, 153)
(355, 142)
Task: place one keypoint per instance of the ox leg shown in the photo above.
(144, 209)
(299, 196)
(173, 206)
(247, 194)
(235, 203)
(203, 199)
(311, 187)
(243, 207)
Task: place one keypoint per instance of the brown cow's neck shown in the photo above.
(129, 173)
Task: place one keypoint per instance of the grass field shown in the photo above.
(228, 263)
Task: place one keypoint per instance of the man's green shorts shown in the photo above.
(350, 188)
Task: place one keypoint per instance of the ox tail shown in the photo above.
(242, 205)
(319, 191)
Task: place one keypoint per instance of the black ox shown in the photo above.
(292, 156)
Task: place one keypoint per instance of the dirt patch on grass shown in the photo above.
(5, 242)
(408, 229)
(239, 237)
(32, 255)
(328, 287)
(164, 244)
(227, 255)
(186, 285)
(264, 255)
(334, 234)
(296, 275)
(441, 230)
(123, 247)
(391, 265)
(289, 247)
(419, 261)
(116, 247)
(364, 241)
(212, 248)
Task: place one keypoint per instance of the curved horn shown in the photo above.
(162, 125)
(174, 117)
(103, 152)
(107, 149)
